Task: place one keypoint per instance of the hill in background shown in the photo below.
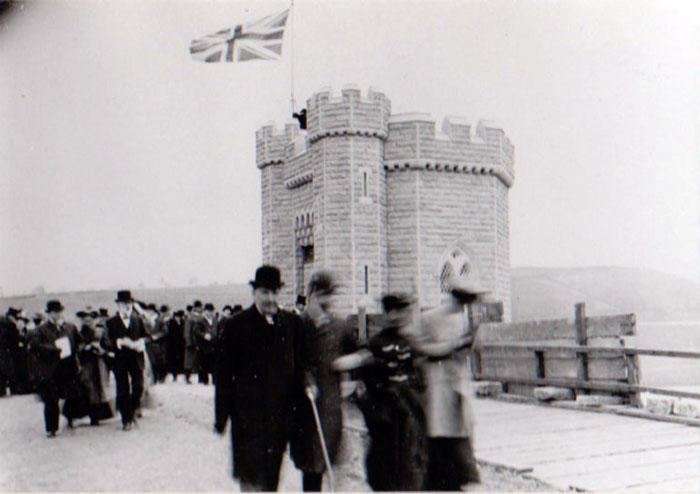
(537, 293)
(548, 293)
(176, 298)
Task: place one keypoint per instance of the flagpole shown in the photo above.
(291, 51)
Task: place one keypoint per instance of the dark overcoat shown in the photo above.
(157, 347)
(322, 345)
(9, 341)
(124, 358)
(259, 371)
(52, 374)
(175, 344)
(190, 362)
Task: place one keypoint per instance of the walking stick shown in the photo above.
(319, 429)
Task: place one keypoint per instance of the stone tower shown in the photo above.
(385, 202)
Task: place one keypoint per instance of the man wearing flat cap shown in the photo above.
(126, 337)
(55, 345)
(259, 368)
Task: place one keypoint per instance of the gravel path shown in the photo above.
(172, 449)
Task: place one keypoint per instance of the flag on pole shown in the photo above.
(257, 40)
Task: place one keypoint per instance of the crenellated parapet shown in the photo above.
(349, 114)
(271, 143)
(413, 142)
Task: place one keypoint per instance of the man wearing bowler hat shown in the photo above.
(259, 370)
(126, 337)
(55, 345)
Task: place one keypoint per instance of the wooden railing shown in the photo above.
(586, 355)
(541, 350)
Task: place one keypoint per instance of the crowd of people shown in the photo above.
(277, 376)
(46, 354)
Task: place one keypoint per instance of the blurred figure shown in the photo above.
(25, 327)
(204, 330)
(88, 397)
(157, 347)
(9, 344)
(175, 343)
(126, 338)
(397, 456)
(446, 335)
(55, 344)
(190, 363)
(325, 339)
(226, 313)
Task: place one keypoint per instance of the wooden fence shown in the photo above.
(586, 355)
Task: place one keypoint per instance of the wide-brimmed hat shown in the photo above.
(197, 304)
(267, 277)
(322, 282)
(164, 308)
(54, 306)
(81, 314)
(124, 296)
(465, 284)
(209, 306)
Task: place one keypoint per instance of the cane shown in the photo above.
(319, 429)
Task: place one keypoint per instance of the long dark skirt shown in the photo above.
(397, 457)
(85, 393)
(451, 464)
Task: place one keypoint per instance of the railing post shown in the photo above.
(362, 324)
(633, 377)
(582, 340)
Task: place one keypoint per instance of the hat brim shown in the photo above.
(273, 286)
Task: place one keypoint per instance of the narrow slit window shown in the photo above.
(364, 184)
(366, 279)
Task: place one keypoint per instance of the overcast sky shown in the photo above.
(123, 161)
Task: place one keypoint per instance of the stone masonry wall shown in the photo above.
(387, 193)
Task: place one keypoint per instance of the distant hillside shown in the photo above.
(176, 298)
(537, 293)
(544, 293)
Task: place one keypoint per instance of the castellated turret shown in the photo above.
(385, 201)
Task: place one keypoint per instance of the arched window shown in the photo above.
(455, 261)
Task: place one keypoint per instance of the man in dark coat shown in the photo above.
(157, 347)
(55, 346)
(176, 343)
(126, 337)
(325, 339)
(204, 330)
(260, 365)
(9, 342)
(190, 362)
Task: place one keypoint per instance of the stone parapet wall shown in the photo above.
(350, 114)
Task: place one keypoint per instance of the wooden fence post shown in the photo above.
(582, 339)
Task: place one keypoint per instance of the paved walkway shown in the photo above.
(588, 451)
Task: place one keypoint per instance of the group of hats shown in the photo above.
(197, 304)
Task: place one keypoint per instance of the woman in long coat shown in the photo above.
(94, 372)
(445, 335)
(326, 338)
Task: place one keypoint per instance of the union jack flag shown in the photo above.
(258, 40)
